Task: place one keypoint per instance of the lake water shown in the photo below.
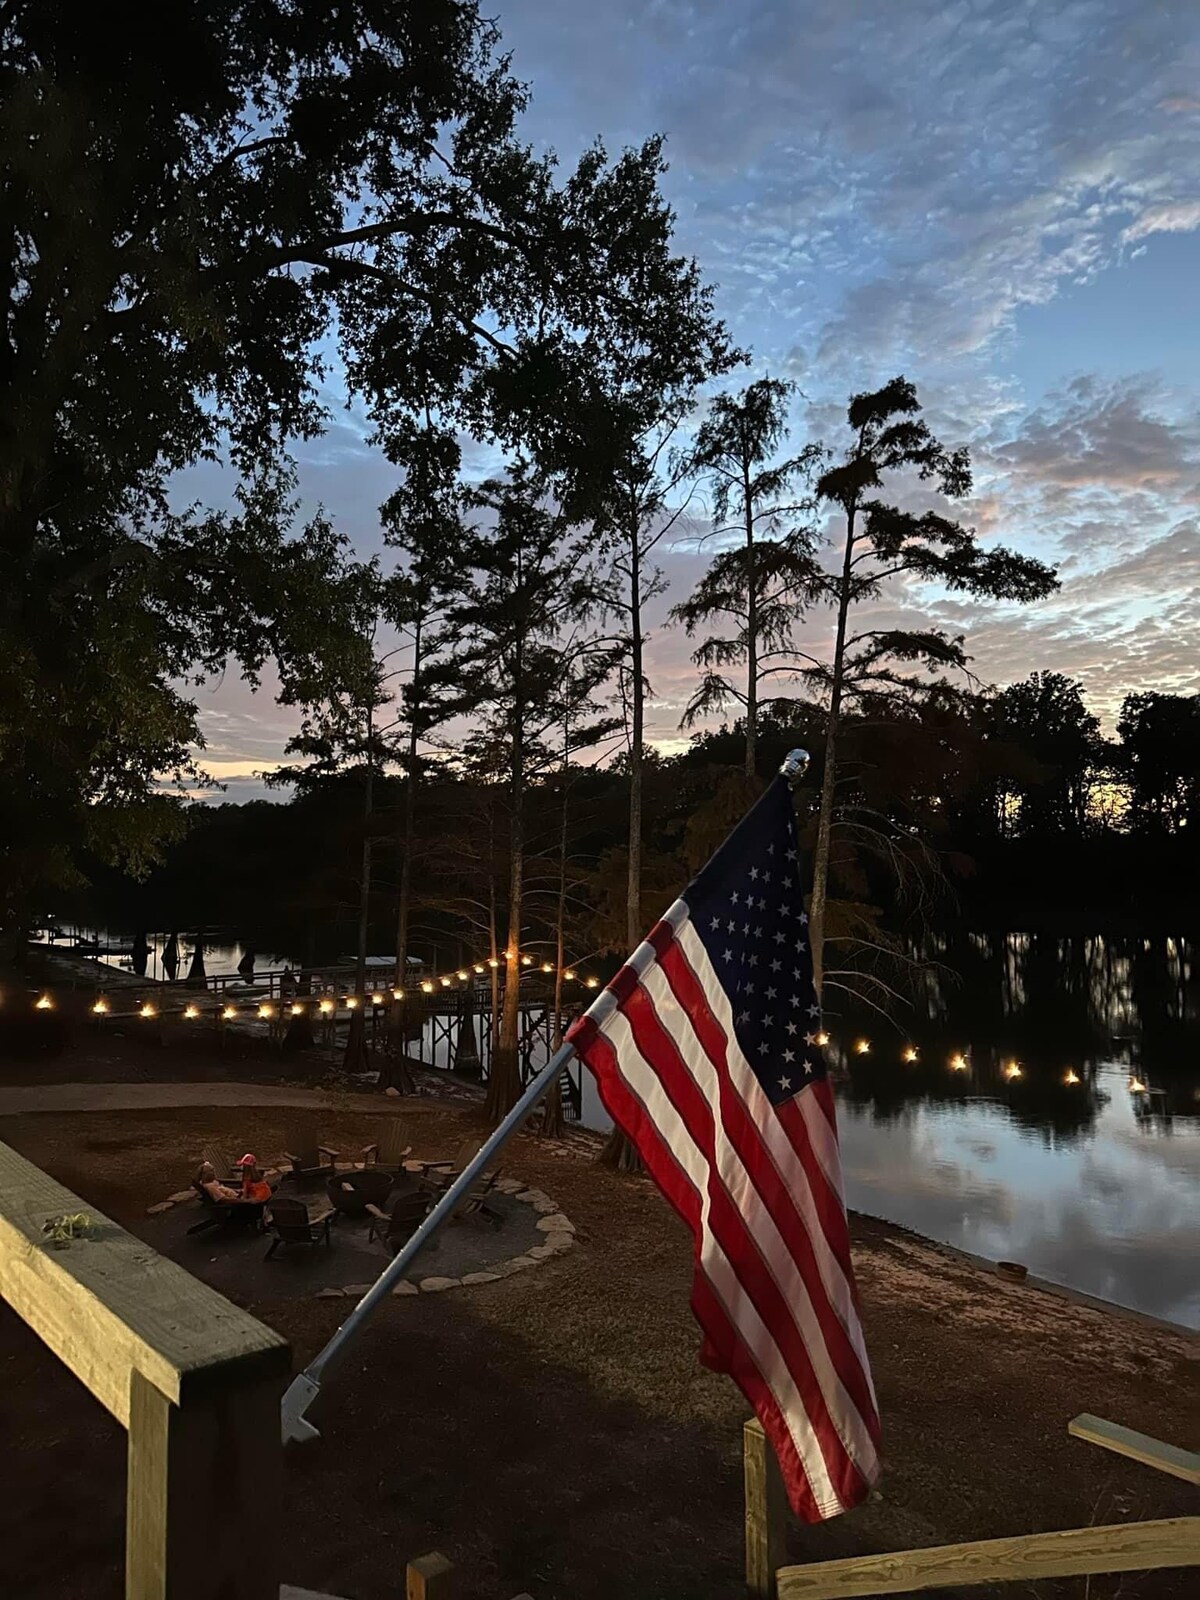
(1060, 1164)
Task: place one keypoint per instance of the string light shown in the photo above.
(492, 962)
(862, 1047)
(147, 1010)
(1012, 1070)
(526, 961)
(326, 1008)
(591, 983)
(229, 1013)
(958, 1063)
(479, 968)
(464, 977)
(101, 1006)
(266, 1012)
(822, 1039)
(1136, 1086)
(547, 966)
(427, 987)
(43, 1003)
(397, 994)
(911, 1053)
(297, 1011)
(191, 1012)
(569, 975)
(1071, 1076)
(445, 983)
(351, 1002)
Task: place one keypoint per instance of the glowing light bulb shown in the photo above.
(569, 975)
(1136, 1086)
(1012, 1070)
(910, 1054)
(822, 1039)
(147, 1010)
(445, 983)
(351, 1002)
(463, 977)
(958, 1063)
(479, 968)
(397, 994)
(526, 961)
(326, 1008)
(229, 1012)
(1071, 1076)
(492, 962)
(101, 1006)
(427, 987)
(376, 999)
(43, 1003)
(862, 1047)
(191, 1012)
(297, 1011)
(591, 983)
(266, 1012)
(546, 967)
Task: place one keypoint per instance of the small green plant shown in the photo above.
(71, 1225)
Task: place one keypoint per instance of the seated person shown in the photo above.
(207, 1180)
(254, 1186)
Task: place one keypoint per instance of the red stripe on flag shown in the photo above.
(775, 1194)
(745, 1254)
(719, 1334)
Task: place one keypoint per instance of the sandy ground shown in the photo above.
(555, 1433)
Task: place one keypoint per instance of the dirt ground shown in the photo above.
(554, 1432)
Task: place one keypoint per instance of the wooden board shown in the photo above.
(1124, 1547)
(766, 1512)
(1141, 1447)
(109, 1305)
(204, 1503)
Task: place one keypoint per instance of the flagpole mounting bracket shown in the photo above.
(795, 765)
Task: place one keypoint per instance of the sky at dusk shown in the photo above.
(999, 199)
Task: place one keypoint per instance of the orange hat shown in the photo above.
(246, 1161)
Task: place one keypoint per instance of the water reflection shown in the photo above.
(1069, 1135)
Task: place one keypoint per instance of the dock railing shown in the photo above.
(1071, 1552)
(195, 1382)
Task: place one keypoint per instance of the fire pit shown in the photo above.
(352, 1192)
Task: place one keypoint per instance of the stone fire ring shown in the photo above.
(556, 1227)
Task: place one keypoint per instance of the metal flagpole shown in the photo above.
(306, 1386)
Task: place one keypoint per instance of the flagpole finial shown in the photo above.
(795, 765)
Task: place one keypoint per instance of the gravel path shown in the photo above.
(20, 1100)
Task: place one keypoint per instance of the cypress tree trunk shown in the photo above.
(357, 1057)
(816, 919)
(617, 1151)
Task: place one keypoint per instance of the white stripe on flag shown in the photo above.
(787, 1162)
(754, 1334)
(777, 1256)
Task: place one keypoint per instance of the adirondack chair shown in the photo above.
(397, 1227)
(474, 1203)
(390, 1149)
(226, 1213)
(224, 1168)
(309, 1159)
(291, 1224)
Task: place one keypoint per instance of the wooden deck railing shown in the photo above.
(195, 1382)
(1073, 1552)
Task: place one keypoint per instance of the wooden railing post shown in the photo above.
(766, 1512)
(204, 1493)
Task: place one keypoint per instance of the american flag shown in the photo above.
(705, 1048)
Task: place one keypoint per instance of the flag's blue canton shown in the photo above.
(748, 908)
